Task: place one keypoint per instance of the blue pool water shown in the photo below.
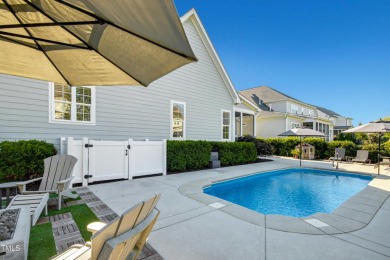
(291, 192)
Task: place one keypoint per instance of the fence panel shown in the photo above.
(109, 160)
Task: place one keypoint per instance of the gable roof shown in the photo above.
(194, 18)
(267, 95)
(249, 103)
(328, 112)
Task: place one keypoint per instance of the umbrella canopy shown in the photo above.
(375, 127)
(301, 132)
(91, 43)
(378, 127)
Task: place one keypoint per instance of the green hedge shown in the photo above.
(188, 155)
(373, 150)
(283, 146)
(263, 148)
(195, 155)
(350, 148)
(23, 160)
(321, 147)
(235, 153)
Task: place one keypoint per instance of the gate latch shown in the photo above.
(87, 176)
(128, 146)
(88, 145)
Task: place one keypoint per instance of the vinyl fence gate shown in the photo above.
(110, 160)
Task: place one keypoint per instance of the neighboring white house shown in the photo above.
(341, 123)
(194, 102)
(280, 112)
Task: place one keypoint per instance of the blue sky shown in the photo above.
(332, 53)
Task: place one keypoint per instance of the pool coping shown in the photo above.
(354, 214)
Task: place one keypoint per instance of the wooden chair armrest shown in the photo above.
(29, 181)
(66, 180)
(22, 185)
(64, 184)
(95, 226)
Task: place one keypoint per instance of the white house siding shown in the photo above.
(270, 127)
(124, 112)
(290, 121)
(279, 106)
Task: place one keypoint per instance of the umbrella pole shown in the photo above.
(300, 150)
(379, 154)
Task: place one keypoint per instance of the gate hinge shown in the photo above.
(87, 176)
(88, 145)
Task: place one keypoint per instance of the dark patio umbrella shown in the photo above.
(302, 132)
(92, 42)
(378, 127)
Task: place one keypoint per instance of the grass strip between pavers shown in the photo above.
(42, 244)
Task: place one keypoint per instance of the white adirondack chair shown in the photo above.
(122, 238)
(56, 177)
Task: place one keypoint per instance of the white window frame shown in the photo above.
(230, 124)
(293, 123)
(171, 120)
(73, 121)
(295, 108)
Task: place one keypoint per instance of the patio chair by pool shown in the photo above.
(385, 161)
(56, 177)
(122, 238)
(339, 153)
(362, 157)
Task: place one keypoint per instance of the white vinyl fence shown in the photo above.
(109, 160)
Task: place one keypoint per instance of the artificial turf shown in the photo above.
(42, 245)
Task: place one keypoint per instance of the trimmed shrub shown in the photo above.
(23, 160)
(262, 146)
(373, 150)
(321, 146)
(195, 155)
(188, 155)
(283, 146)
(235, 153)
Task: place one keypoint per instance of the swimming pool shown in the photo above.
(291, 192)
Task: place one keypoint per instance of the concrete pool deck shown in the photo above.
(193, 225)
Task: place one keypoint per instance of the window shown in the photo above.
(308, 125)
(225, 125)
(294, 109)
(74, 105)
(295, 125)
(311, 112)
(238, 123)
(178, 119)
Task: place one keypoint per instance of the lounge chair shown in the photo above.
(122, 238)
(339, 154)
(35, 203)
(362, 157)
(56, 177)
(385, 161)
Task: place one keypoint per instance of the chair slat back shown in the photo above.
(100, 237)
(134, 225)
(129, 244)
(362, 155)
(133, 217)
(340, 152)
(57, 168)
